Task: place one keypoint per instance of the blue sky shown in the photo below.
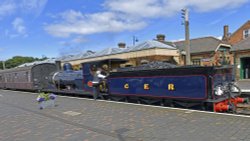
(58, 27)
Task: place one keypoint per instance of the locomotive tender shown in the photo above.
(196, 87)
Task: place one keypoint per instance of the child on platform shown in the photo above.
(45, 99)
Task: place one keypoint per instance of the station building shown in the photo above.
(240, 41)
(206, 51)
(241, 52)
(151, 50)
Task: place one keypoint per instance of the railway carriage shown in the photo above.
(27, 78)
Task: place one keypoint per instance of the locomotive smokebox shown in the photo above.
(58, 65)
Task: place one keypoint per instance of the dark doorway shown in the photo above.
(245, 68)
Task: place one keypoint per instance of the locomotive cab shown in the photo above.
(106, 67)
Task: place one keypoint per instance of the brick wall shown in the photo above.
(237, 36)
(212, 58)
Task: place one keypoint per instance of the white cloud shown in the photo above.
(74, 41)
(64, 43)
(24, 8)
(79, 39)
(209, 5)
(74, 22)
(158, 8)
(31, 7)
(18, 26)
(7, 9)
(219, 37)
(125, 15)
(138, 8)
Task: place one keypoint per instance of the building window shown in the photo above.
(196, 62)
(246, 33)
(224, 49)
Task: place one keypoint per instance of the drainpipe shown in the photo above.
(234, 66)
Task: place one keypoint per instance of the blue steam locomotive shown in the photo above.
(196, 87)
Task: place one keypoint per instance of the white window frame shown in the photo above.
(196, 61)
(245, 35)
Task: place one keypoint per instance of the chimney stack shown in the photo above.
(121, 45)
(226, 33)
(58, 65)
(160, 37)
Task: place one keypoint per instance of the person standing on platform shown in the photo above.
(97, 77)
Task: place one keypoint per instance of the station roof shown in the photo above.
(106, 52)
(149, 45)
(65, 57)
(200, 45)
(78, 56)
(116, 50)
(51, 60)
(242, 45)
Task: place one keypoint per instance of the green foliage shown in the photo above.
(18, 60)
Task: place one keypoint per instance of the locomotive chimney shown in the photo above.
(160, 37)
(225, 33)
(58, 65)
(121, 45)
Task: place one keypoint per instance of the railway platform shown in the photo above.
(79, 119)
(244, 86)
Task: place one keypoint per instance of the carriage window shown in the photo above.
(27, 76)
(10, 80)
(1, 78)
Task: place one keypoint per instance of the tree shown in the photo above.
(1, 65)
(18, 60)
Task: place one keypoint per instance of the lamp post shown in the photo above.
(135, 39)
(185, 16)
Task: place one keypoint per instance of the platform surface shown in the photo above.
(88, 120)
(244, 86)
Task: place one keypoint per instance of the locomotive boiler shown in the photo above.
(67, 78)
